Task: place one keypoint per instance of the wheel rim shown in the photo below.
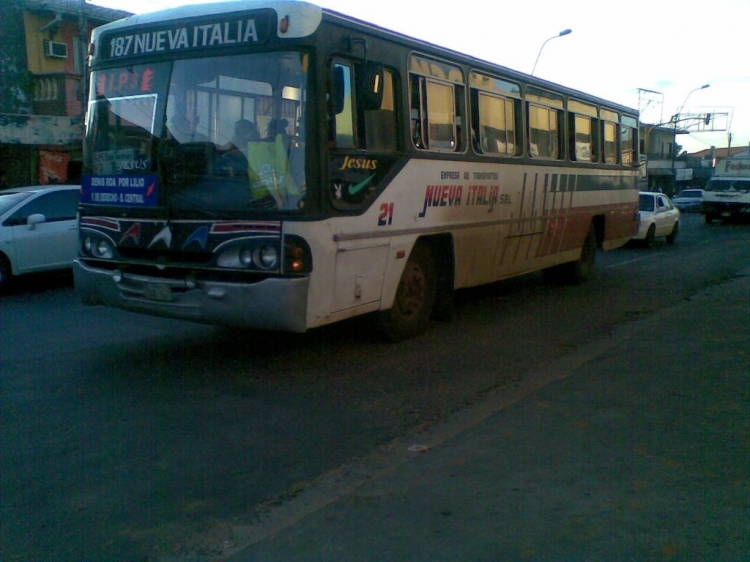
(412, 291)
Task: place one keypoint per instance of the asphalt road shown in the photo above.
(125, 437)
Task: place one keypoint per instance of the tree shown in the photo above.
(14, 75)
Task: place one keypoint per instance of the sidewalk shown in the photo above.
(635, 447)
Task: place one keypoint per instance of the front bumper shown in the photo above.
(272, 304)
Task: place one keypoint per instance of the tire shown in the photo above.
(579, 271)
(650, 238)
(673, 235)
(415, 297)
(6, 273)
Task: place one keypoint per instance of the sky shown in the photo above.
(652, 55)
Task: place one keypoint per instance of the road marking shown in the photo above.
(628, 262)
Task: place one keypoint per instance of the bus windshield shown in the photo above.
(215, 136)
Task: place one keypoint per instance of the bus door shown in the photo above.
(362, 145)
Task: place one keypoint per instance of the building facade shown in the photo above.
(43, 88)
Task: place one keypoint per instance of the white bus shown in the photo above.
(276, 165)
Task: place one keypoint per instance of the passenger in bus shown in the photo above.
(245, 131)
(234, 160)
(183, 130)
(278, 127)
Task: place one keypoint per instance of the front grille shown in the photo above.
(187, 259)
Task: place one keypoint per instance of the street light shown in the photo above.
(561, 34)
(677, 115)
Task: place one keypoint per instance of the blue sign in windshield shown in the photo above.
(130, 191)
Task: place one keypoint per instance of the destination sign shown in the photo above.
(226, 31)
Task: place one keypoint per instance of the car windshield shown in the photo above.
(646, 203)
(10, 199)
(692, 193)
(213, 136)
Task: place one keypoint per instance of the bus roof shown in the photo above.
(306, 19)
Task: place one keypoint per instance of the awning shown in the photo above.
(660, 172)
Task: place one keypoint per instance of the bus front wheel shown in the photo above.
(415, 297)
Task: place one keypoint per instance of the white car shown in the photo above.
(689, 200)
(38, 229)
(658, 217)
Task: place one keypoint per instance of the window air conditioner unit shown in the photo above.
(56, 50)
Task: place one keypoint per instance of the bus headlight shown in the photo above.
(103, 250)
(250, 255)
(97, 246)
(246, 257)
(268, 257)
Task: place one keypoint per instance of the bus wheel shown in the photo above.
(575, 272)
(415, 297)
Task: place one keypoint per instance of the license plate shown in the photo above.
(158, 292)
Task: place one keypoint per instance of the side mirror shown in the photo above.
(34, 220)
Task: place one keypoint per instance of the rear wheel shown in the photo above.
(673, 235)
(579, 271)
(415, 297)
(650, 236)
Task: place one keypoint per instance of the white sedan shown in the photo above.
(658, 217)
(38, 229)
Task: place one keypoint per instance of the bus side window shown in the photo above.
(610, 142)
(627, 145)
(494, 130)
(380, 122)
(343, 107)
(437, 110)
(441, 115)
(582, 145)
(544, 132)
(418, 110)
(364, 107)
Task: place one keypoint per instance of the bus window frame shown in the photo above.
(614, 158)
(555, 139)
(629, 123)
(579, 113)
(495, 87)
(535, 97)
(479, 136)
(424, 71)
(338, 62)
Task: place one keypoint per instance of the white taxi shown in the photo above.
(658, 217)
